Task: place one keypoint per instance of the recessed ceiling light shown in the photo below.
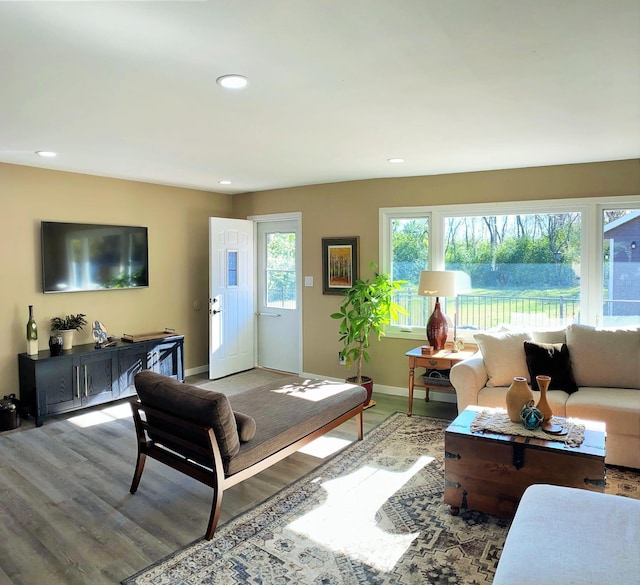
(232, 81)
(395, 161)
(224, 182)
(46, 153)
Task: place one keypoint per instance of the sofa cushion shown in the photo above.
(246, 426)
(201, 406)
(555, 336)
(618, 408)
(550, 359)
(604, 358)
(503, 355)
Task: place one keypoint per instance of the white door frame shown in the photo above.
(292, 216)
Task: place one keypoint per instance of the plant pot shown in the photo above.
(367, 384)
(67, 338)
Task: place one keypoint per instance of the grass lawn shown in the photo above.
(549, 293)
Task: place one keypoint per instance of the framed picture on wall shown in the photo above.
(339, 264)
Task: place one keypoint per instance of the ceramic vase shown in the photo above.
(543, 404)
(518, 396)
(55, 344)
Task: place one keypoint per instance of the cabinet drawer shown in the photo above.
(437, 363)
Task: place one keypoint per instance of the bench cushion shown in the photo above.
(201, 406)
(287, 411)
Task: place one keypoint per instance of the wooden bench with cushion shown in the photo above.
(222, 440)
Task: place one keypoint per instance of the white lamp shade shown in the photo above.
(437, 283)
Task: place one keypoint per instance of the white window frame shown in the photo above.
(591, 252)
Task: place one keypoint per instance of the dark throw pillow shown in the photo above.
(550, 359)
(246, 426)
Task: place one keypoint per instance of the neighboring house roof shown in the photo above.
(613, 227)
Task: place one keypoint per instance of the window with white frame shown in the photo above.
(534, 265)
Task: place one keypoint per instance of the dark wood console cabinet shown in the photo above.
(85, 376)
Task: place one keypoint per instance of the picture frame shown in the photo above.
(340, 263)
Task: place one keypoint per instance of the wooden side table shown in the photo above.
(440, 360)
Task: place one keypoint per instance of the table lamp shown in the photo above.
(437, 283)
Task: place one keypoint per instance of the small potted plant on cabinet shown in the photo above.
(367, 307)
(67, 326)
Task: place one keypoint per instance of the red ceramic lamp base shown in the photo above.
(437, 328)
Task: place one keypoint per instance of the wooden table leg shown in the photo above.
(411, 376)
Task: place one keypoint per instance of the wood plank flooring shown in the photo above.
(67, 517)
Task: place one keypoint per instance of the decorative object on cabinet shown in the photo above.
(339, 264)
(32, 334)
(99, 332)
(56, 344)
(67, 326)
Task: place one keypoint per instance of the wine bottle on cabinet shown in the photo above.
(32, 334)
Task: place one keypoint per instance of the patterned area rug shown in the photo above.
(374, 513)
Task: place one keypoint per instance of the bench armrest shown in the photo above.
(468, 378)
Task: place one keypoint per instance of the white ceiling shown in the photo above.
(127, 89)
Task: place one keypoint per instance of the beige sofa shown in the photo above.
(595, 376)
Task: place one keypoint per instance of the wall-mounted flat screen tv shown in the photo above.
(82, 256)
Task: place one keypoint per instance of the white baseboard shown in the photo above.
(197, 370)
(418, 392)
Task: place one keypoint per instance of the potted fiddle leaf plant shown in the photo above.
(367, 307)
(67, 326)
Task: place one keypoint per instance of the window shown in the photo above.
(280, 269)
(409, 256)
(523, 267)
(232, 268)
(621, 266)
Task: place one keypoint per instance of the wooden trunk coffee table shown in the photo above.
(489, 472)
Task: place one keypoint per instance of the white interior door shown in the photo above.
(231, 296)
(278, 295)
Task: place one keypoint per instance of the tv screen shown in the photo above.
(81, 257)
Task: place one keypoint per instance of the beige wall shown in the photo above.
(178, 258)
(178, 247)
(350, 209)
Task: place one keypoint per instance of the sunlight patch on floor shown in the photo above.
(346, 522)
(324, 447)
(312, 390)
(104, 415)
